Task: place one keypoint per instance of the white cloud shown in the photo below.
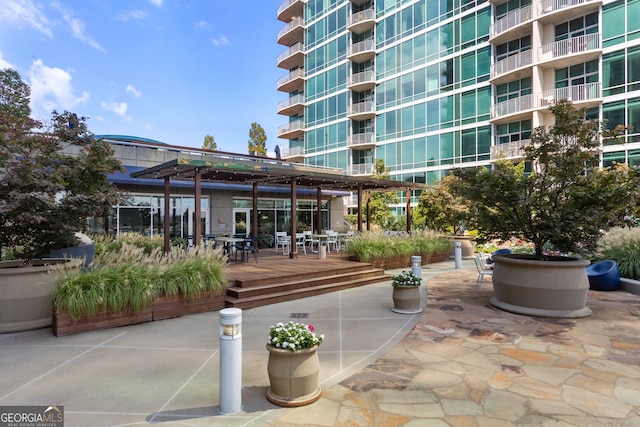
(133, 91)
(220, 41)
(21, 12)
(120, 108)
(4, 63)
(157, 2)
(203, 25)
(77, 27)
(51, 89)
(133, 15)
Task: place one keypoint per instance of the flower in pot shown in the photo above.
(53, 178)
(293, 365)
(406, 293)
(558, 195)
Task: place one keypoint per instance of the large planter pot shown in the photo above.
(293, 376)
(467, 244)
(25, 293)
(556, 287)
(406, 299)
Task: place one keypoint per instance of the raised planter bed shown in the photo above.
(175, 306)
(162, 308)
(405, 261)
(64, 325)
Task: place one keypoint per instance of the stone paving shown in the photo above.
(467, 364)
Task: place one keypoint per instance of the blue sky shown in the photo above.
(170, 70)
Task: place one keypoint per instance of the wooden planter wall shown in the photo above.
(162, 308)
(405, 261)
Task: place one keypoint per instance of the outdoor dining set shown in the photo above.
(307, 240)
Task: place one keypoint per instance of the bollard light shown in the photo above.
(458, 255)
(416, 266)
(230, 361)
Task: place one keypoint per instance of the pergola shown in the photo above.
(256, 171)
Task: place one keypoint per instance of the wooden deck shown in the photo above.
(276, 277)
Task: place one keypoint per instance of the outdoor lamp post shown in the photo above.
(230, 361)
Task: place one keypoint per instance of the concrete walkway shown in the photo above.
(460, 363)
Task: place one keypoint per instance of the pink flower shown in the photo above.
(311, 328)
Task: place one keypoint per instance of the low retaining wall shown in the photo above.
(629, 285)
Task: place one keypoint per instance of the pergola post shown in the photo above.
(293, 253)
(368, 211)
(318, 210)
(254, 216)
(197, 229)
(360, 208)
(408, 193)
(167, 217)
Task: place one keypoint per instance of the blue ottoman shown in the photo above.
(604, 276)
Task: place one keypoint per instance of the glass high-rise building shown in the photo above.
(431, 85)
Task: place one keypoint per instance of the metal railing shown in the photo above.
(295, 22)
(363, 15)
(548, 6)
(362, 108)
(295, 99)
(577, 93)
(509, 150)
(286, 3)
(510, 20)
(511, 106)
(571, 46)
(363, 46)
(511, 63)
(364, 138)
(292, 50)
(297, 73)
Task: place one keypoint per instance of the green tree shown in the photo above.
(209, 143)
(379, 202)
(45, 194)
(440, 210)
(566, 201)
(257, 140)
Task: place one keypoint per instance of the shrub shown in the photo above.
(623, 246)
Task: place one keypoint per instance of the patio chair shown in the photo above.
(604, 276)
(301, 242)
(283, 240)
(247, 247)
(310, 240)
(332, 239)
(483, 270)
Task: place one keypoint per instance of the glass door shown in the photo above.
(242, 221)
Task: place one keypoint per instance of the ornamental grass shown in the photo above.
(368, 246)
(622, 245)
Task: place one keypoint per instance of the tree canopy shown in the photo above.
(54, 177)
(257, 140)
(209, 143)
(565, 200)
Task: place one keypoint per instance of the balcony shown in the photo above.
(588, 93)
(509, 151)
(512, 109)
(362, 110)
(292, 81)
(293, 154)
(556, 11)
(511, 26)
(362, 140)
(292, 57)
(504, 70)
(570, 51)
(362, 51)
(292, 106)
(292, 130)
(292, 33)
(289, 9)
(362, 81)
(361, 169)
(362, 21)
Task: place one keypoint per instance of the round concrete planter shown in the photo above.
(556, 287)
(467, 244)
(406, 299)
(25, 293)
(293, 376)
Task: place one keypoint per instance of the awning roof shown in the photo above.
(261, 170)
